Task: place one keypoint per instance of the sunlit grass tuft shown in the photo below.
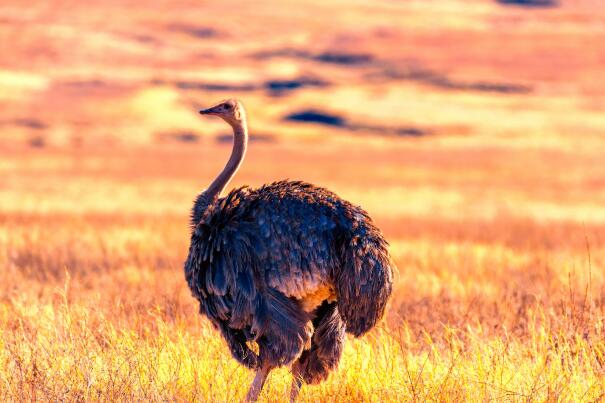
(63, 351)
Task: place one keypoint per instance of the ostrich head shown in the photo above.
(230, 110)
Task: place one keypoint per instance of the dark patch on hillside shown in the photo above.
(410, 131)
(384, 69)
(315, 117)
(273, 87)
(179, 136)
(279, 87)
(195, 31)
(330, 56)
(34, 124)
(196, 85)
(350, 59)
(286, 52)
(36, 142)
(143, 38)
(85, 83)
(439, 80)
(529, 3)
(406, 131)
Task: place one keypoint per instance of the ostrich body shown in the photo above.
(288, 266)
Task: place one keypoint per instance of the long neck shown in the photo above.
(210, 195)
(240, 142)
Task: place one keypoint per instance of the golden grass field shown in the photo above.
(472, 132)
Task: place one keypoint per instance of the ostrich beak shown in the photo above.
(209, 111)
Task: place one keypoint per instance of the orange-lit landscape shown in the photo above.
(473, 132)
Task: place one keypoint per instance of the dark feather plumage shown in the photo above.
(256, 255)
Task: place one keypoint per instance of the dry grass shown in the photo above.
(94, 305)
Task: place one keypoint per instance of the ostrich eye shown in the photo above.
(228, 107)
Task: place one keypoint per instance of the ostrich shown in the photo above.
(288, 266)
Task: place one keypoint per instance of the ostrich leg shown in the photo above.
(296, 384)
(257, 384)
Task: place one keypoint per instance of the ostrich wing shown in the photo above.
(280, 237)
(295, 244)
(227, 271)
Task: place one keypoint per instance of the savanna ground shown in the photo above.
(471, 131)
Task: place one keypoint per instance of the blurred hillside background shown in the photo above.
(117, 72)
(481, 83)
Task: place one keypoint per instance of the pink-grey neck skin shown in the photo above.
(232, 112)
